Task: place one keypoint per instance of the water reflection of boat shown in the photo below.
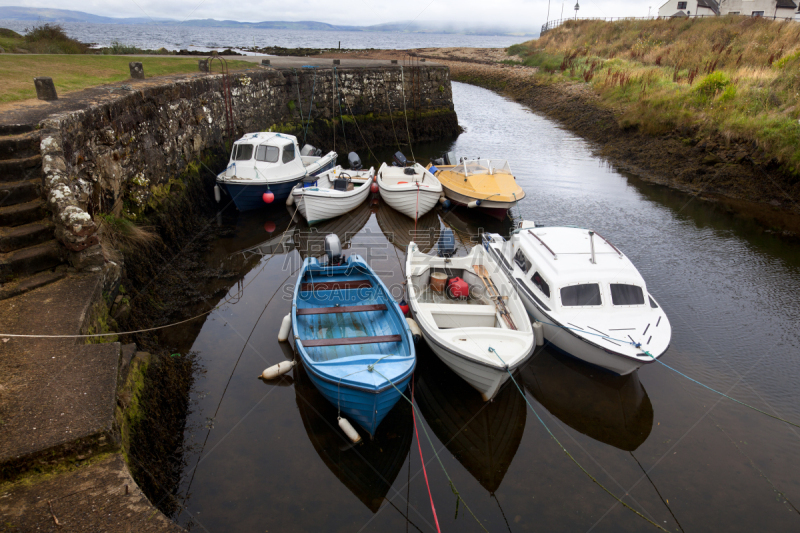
(310, 241)
(469, 224)
(367, 470)
(399, 229)
(483, 436)
(612, 409)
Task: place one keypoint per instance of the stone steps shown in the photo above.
(25, 213)
(19, 237)
(19, 192)
(21, 168)
(20, 146)
(31, 260)
(15, 288)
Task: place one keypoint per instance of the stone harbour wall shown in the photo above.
(124, 157)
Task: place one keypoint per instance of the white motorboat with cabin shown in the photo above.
(476, 323)
(591, 301)
(408, 188)
(266, 166)
(332, 193)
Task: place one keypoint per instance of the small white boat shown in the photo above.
(592, 302)
(412, 190)
(481, 337)
(332, 193)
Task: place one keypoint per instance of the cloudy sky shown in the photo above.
(473, 13)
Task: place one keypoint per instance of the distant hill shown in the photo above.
(37, 14)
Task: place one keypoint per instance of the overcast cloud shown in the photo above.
(518, 14)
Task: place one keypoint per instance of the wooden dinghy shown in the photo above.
(351, 336)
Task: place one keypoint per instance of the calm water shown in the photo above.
(197, 38)
(269, 457)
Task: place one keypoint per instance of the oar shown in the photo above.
(480, 270)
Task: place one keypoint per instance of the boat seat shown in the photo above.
(335, 285)
(351, 340)
(342, 309)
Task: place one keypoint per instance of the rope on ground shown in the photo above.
(564, 449)
(459, 499)
(156, 328)
(405, 114)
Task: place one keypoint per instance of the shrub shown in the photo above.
(118, 49)
(712, 84)
(51, 39)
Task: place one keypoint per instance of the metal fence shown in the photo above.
(556, 23)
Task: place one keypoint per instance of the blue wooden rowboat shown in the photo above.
(352, 338)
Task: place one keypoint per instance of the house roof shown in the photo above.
(785, 4)
(714, 6)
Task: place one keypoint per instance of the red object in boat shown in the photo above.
(404, 307)
(457, 288)
(268, 197)
(269, 226)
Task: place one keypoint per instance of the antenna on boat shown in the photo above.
(591, 244)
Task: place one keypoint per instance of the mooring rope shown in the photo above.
(310, 107)
(405, 114)
(339, 98)
(505, 367)
(422, 460)
(459, 498)
(389, 107)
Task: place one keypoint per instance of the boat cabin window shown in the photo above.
(242, 152)
(580, 295)
(268, 154)
(288, 153)
(541, 284)
(653, 303)
(522, 261)
(622, 294)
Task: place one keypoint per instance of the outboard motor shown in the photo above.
(447, 243)
(310, 151)
(399, 159)
(439, 161)
(354, 160)
(333, 249)
(450, 158)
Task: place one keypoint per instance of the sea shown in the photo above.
(180, 37)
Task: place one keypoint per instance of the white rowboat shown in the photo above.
(332, 194)
(412, 190)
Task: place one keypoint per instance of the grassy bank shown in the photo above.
(730, 76)
(76, 72)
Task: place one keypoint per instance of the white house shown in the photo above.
(755, 8)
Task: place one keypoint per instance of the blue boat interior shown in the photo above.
(346, 321)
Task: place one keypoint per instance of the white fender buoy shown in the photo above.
(217, 193)
(474, 203)
(415, 331)
(286, 326)
(349, 430)
(277, 370)
(290, 199)
(538, 333)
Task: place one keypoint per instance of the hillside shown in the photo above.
(735, 78)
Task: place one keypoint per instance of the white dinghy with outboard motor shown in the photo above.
(591, 301)
(408, 187)
(470, 315)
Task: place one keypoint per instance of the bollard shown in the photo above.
(45, 88)
(202, 65)
(337, 62)
(137, 70)
(265, 62)
(394, 61)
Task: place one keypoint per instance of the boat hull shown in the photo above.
(409, 202)
(317, 208)
(498, 210)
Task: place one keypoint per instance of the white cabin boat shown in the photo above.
(268, 162)
(462, 331)
(592, 302)
(332, 193)
(412, 190)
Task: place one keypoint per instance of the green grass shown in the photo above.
(76, 72)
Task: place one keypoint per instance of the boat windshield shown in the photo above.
(268, 154)
(476, 167)
(581, 295)
(242, 152)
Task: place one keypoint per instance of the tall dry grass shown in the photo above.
(736, 76)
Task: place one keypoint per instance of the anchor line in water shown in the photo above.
(459, 498)
(596, 481)
(493, 495)
(422, 459)
(657, 491)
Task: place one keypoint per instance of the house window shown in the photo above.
(268, 154)
(522, 261)
(681, 5)
(541, 284)
(580, 295)
(622, 294)
(242, 152)
(288, 153)
(733, 13)
(758, 13)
